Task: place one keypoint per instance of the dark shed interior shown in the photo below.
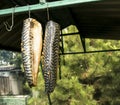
(96, 19)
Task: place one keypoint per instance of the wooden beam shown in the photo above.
(42, 6)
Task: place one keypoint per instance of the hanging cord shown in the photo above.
(48, 14)
(8, 27)
(29, 12)
(49, 99)
(45, 2)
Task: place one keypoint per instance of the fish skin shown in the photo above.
(51, 55)
(31, 47)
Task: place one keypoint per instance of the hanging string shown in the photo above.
(8, 27)
(48, 16)
(29, 11)
(49, 99)
(44, 2)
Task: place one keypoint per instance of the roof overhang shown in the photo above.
(93, 18)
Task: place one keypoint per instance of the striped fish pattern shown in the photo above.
(31, 47)
(51, 55)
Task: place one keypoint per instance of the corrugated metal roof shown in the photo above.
(94, 20)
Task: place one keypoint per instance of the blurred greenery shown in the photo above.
(87, 79)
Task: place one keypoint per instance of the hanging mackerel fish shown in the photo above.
(51, 55)
(31, 47)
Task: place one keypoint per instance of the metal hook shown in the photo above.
(8, 27)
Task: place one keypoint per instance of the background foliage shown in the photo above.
(87, 79)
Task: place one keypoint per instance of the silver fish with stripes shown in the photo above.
(31, 47)
(51, 55)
